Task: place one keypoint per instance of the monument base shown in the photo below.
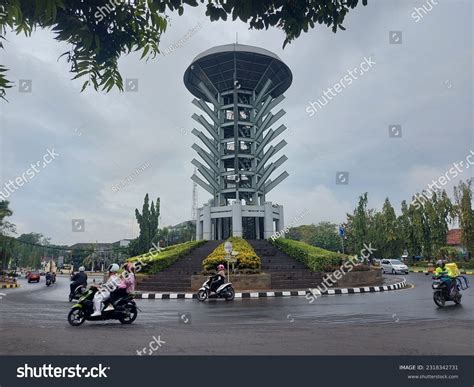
(237, 220)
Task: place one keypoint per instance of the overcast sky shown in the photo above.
(424, 84)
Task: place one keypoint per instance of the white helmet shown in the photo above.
(82, 268)
(113, 268)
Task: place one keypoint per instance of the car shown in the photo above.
(33, 276)
(393, 266)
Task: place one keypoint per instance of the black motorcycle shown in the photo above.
(78, 292)
(125, 311)
(224, 291)
(442, 291)
(50, 279)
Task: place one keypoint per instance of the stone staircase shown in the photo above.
(286, 272)
(177, 277)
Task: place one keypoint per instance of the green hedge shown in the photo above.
(315, 258)
(156, 261)
(247, 260)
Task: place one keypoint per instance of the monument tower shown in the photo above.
(236, 87)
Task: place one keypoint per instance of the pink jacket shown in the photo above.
(127, 282)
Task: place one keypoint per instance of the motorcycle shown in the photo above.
(78, 292)
(224, 291)
(50, 279)
(125, 311)
(441, 290)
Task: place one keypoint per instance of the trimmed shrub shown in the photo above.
(156, 261)
(315, 258)
(247, 260)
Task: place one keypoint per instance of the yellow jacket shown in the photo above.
(450, 270)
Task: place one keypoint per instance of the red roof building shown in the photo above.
(454, 237)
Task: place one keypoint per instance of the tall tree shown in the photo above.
(391, 246)
(5, 228)
(323, 234)
(357, 227)
(148, 223)
(465, 213)
(100, 31)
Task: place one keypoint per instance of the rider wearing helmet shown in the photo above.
(103, 294)
(218, 279)
(125, 286)
(78, 279)
(442, 272)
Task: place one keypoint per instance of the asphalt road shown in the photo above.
(403, 322)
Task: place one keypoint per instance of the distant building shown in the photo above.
(98, 255)
(454, 240)
(122, 243)
(181, 232)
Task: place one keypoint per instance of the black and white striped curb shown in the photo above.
(288, 293)
(429, 272)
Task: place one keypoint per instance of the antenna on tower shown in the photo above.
(195, 200)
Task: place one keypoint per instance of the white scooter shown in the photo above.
(224, 291)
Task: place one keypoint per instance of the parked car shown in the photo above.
(393, 266)
(33, 276)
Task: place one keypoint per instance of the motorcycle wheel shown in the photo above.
(457, 299)
(76, 317)
(131, 315)
(202, 295)
(230, 294)
(438, 298)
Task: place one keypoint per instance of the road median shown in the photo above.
(277, 293)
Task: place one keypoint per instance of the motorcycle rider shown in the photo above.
(80, 278)
(445, 274)
(103, 294)
(126, 285)
(218, 279)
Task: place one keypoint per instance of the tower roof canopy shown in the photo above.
(252, 67)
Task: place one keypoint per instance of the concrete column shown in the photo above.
(257, 227)
(219, 228)
(206, 227)
(198, 226)
(268, 220)
(281, 222)
(237, 219)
